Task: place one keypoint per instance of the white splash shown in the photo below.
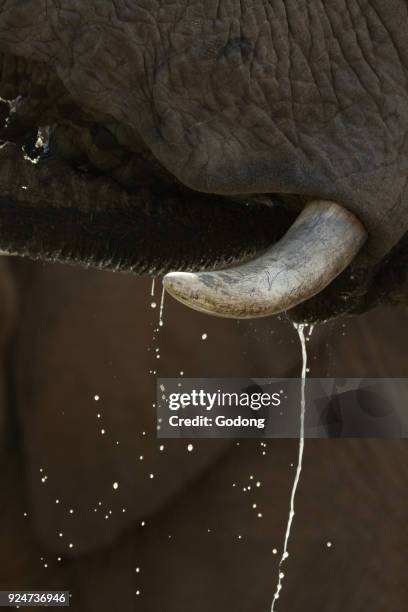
(285, 554)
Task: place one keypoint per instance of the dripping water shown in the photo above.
(156, 330)
(300, 328)
(161, 322)
(152, 289)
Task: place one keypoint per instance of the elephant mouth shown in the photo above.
(239, 257)
(234, 257)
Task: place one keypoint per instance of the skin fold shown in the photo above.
(300, 99)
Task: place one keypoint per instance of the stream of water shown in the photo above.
(300, 328)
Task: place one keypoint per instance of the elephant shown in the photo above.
(254, 150)
(255, 153)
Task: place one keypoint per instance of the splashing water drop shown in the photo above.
(300, 328)
(152, 289)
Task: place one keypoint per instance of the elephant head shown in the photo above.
(191, 136)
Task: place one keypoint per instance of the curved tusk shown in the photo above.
(319, 245)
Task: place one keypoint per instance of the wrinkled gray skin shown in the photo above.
(243, 98)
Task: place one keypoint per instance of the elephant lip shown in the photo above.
(89, 219)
